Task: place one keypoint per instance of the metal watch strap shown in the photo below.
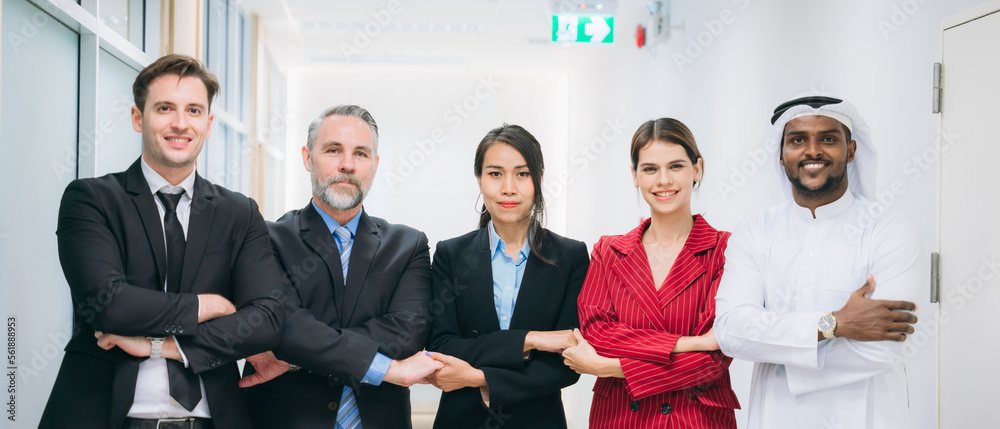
(157, 349)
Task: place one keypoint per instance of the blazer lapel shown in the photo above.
(683, 273)
(688, 267)
(366, 243)
(137, 186)
(317, 236)
(633, 270)
(536, 287)
(479, 270)
(199, 228)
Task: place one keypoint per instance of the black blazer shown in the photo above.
(333, 331)
(523, 393)
(112, 253)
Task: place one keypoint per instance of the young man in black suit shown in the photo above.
(357, 290)
(172, 278)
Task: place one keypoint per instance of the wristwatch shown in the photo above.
(157, 349)
(827, 324)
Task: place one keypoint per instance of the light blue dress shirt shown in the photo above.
(507, 275)
(380, 365)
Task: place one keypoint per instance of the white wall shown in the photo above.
(721, 79)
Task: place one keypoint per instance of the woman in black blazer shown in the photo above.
(500, 332)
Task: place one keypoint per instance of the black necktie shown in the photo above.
(184, 385)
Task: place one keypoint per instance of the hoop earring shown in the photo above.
(476, 206)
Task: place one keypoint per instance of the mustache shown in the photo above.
(342, 177)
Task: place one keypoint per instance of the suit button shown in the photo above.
(634, 406)
(180, 330)
(332, 406)
(337, 379)
(665, 408)
(475, 333)
(166, 328)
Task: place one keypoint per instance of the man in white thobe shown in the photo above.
(828, 354)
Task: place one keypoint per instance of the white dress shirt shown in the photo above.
(152, 389)
(784, 269)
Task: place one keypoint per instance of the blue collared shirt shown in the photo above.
(380, 365)
(507, 275)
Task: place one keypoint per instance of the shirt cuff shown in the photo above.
(180, 350)
(376, 372)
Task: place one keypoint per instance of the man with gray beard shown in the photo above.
(356, 292)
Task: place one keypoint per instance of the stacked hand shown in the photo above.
(583, 359)
(266, 366)
(549, 341)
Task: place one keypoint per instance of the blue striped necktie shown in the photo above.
(348, 416)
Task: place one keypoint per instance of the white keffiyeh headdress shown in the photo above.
(861, 173)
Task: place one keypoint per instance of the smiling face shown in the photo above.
(174, 124)
(665, 177)
(505, 181)
(342, 163)
(815, 153)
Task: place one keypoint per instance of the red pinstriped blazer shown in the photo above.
(622, 315)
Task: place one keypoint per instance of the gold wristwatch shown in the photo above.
(827, 324)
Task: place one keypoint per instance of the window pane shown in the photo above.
(215, 52)
(243, 44)
(215, 165)
(117, 144)
(38, 155)
(125, 17)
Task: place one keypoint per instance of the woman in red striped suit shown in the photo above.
(648, 301)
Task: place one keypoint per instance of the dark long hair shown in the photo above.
(525, 144)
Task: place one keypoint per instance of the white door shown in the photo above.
(969, 374)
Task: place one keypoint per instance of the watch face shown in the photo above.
(826, 323)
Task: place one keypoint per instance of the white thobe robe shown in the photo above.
(783, 270)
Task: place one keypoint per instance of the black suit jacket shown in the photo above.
(333, 331)
(111, 248)
(524, 393)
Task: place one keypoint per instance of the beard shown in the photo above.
(829, 187)
(339, 200)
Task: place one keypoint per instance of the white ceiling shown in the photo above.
(315, 32)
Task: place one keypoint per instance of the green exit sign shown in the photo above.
(583, 28)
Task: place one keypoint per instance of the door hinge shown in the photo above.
(936, 94)
(935, 277)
